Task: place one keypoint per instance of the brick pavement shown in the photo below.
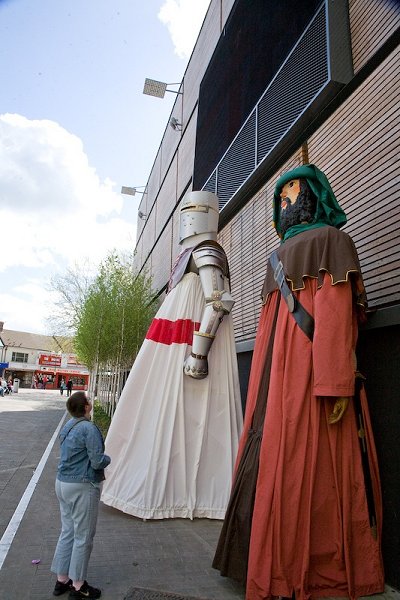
(172, 555)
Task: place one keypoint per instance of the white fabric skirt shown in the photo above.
(173, 440)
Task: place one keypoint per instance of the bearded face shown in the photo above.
(298, 204)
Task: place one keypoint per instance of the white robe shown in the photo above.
(173, 439)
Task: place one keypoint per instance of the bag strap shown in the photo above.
(73, 425)
(303, 318)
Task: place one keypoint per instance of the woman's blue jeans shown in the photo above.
(79, 505)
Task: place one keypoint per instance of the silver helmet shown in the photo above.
(198, 214)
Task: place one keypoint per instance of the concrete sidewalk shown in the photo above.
(171, 555)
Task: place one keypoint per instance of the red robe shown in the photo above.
(310, 525)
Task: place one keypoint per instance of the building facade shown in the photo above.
(40, 361)
(271, 86)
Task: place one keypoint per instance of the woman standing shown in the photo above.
(78, 486)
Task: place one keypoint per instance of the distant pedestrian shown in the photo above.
(78, 486)
(62, 386)
(70, 385)
(44, 381)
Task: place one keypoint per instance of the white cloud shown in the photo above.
(54, 212)
(183, 19)
(53, 206)
(25, 307)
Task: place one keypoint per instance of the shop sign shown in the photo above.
(50, 360)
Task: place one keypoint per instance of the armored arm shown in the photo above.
(212, 265)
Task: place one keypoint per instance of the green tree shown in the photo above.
(112, 324)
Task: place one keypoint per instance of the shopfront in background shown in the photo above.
(79, 381)
(52, 371)
(45, 374)
(25, 377)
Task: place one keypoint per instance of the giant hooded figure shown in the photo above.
(304, 516)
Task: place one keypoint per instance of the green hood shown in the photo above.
(328, 210)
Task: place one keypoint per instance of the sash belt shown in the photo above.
(303, 318)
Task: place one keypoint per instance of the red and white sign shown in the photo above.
(53, 360)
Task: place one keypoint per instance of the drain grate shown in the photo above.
(147, 594)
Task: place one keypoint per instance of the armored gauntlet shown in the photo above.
(213, 271)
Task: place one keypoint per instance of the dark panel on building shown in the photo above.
(311, 76)
(244, 365)
(256, 39)
(378, 357)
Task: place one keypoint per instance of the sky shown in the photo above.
(74, 128)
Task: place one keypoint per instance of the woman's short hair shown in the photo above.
(76, 404)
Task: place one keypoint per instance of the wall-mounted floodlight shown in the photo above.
(157, 88)
(141, 215)
(174, 123)
(130, 191)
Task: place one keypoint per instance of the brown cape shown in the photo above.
(314, 253)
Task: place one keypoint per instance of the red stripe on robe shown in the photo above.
(168, 332)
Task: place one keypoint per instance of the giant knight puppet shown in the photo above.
(304, 517)
(174, 436)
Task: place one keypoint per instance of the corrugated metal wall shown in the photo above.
(248, 241)
(358, 149)
(372, 22)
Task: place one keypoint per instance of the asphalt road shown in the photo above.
(28, 420)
